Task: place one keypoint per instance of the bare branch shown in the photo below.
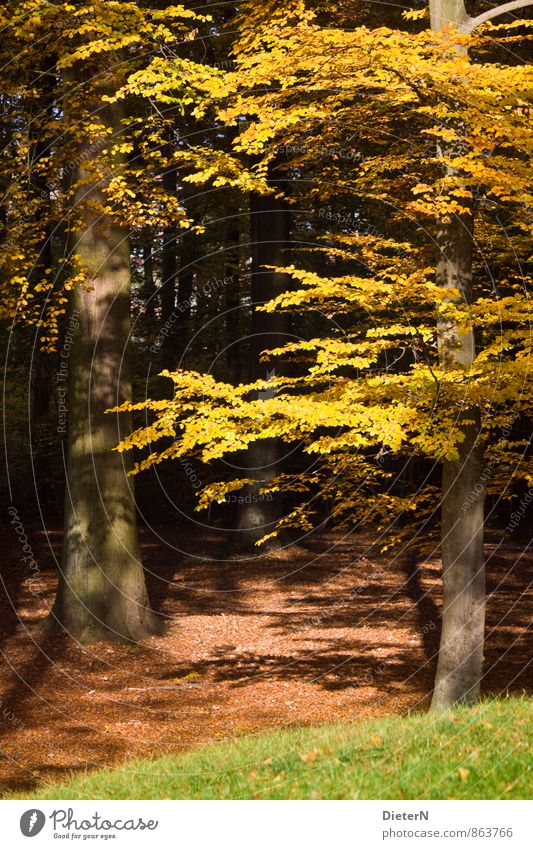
(471, 23)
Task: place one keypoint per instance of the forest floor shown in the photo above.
(304, 636)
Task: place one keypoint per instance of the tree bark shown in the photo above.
(443, 12)
(460, 661)
(148, 271)
(39, 190)
(232, 299)
(270, 236)
(169, 269)
(102, 592)
(189, 253)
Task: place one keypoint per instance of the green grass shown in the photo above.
(482, 752)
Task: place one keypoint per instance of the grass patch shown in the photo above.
(482, 752)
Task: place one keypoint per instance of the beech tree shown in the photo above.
(270, 236)
(460, 665)
(88, 152)
(443, 143)
(102, 591)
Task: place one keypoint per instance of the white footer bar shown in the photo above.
(268, 825)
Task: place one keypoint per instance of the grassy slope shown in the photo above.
(482, 752)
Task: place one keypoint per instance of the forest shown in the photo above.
(267, 397)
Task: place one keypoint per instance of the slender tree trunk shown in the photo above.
(102, 592)
(232, 301)
(460, 663)
(169, 269)
(188, 254)
(40, 378)
(148, 271)
(270, 232)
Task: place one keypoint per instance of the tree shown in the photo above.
(169, 272)
(409, 93)
(232, 295)
(460, 664)
(102, 592)
(270, 237)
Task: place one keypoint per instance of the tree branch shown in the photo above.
(471, 23)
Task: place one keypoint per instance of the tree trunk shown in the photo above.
(148, 271)
(39, 190)
(460, 662)
(270, 232)
(443, 12)
(102, 592)
(169, 268)
(187, 269)
(232, 301)
(460, 665)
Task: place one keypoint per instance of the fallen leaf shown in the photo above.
(463, 773)
(310, 756)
